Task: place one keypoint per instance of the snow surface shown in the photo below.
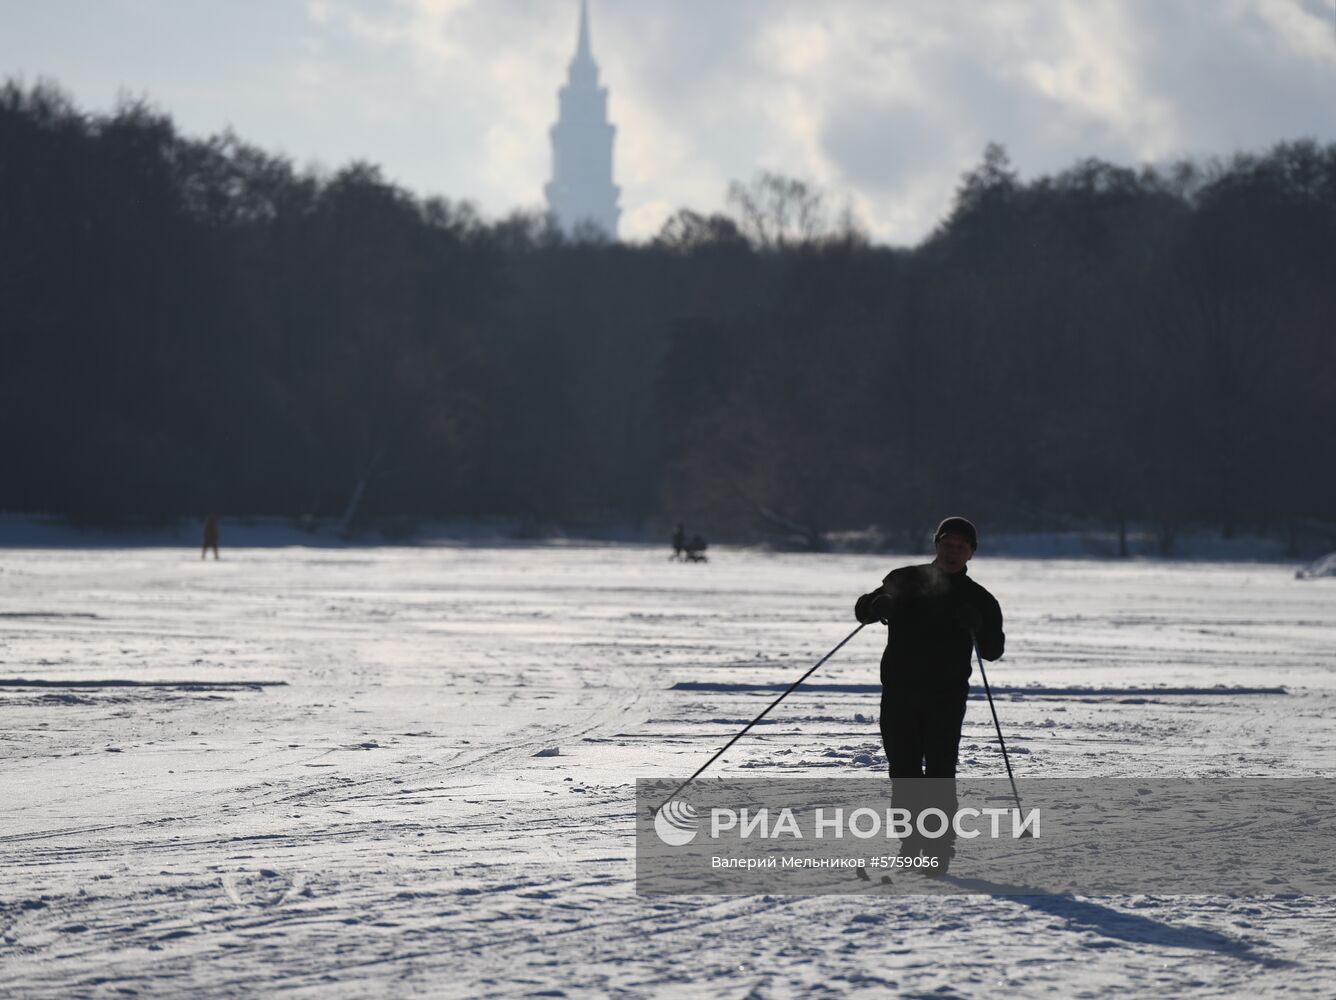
(320, 773)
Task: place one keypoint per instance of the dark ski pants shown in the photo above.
(921, 734)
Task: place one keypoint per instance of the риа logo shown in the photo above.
(676, 824)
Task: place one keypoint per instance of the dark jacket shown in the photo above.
(928, 647)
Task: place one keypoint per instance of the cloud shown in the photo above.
(883, 105)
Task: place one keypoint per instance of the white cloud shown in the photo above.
(883, 104)
(1309, 31)
(1091, 73)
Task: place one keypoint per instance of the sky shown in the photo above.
(882, 104)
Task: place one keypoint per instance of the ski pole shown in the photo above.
(997, 725)
(700, 770)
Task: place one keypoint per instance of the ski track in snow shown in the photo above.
(378, 824)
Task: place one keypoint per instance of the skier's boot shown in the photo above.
(943, 854)
(912, 846)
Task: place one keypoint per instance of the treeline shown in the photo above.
(192, 325)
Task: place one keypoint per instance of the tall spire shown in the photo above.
(581, 193)
(583, 53)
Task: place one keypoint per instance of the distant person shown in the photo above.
(210, 536)
(695, 549)
(935, 614)
(679, 540)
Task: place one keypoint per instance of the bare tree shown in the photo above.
(777, 211)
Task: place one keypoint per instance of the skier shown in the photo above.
(679, 540)
(935, 614)
(210, 536)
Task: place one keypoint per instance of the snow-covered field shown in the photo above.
(321, 777)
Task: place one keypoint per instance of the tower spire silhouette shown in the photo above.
(581, 192)
(582, 50)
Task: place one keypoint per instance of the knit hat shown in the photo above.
(957, 526)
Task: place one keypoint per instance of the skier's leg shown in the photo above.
(902, 738)
(941, 749)
(901, 735)
(942, 752)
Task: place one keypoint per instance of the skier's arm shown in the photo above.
(989, 635)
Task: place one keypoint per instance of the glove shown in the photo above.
(872, 607)
(969, 617)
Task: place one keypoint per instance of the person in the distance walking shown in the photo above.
(934, 613)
